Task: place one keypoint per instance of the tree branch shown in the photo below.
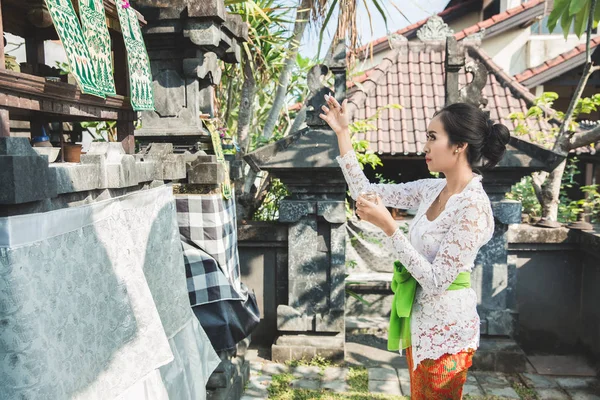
(585, 138)
(537, 181)
(562, 144)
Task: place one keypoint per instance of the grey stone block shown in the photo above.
(491, 379)
(170, 166)
(382, 374)
(583, 395)
(404, 378)
(72, 178)
(472, 390)
(335, 386)
(503, 392)
(256, 368)
(331, 322)
(568, 382)
(316, 341)
(386, 387)
(538, 381)
(257, 386)
(24, 175)
(303, 352)
(281, 353)
(290, 319)
(306, 384)
(307, 372)
(203, 33)
(274, 369)
(552, 394)
(335, 374)
(206, 173)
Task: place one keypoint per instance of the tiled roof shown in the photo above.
(535, 7)
(556, 66)
(413, 76)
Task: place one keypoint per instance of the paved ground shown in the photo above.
(395, 381)
(388, 374)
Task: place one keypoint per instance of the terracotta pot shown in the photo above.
(72, 153)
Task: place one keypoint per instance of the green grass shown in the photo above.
(358, 379)
(280, 388)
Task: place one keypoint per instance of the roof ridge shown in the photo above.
(500, 74)
(358, 97)
(559, 59)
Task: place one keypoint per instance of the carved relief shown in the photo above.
(434, 29)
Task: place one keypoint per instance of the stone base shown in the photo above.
(228, 380)
(298, 347)
(499, 354)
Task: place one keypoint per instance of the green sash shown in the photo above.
(404, 287)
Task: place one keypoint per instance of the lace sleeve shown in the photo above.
(473, 226)
(402, 195)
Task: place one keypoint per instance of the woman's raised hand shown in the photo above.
(335, 115)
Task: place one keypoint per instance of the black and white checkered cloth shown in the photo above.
(207, 227)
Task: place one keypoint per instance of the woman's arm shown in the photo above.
(473, 226)
(404, 195)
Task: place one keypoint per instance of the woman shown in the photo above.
(434, 313)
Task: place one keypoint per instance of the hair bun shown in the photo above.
(495, 143)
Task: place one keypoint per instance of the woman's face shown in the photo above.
(440, 156)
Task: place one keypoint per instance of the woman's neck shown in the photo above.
(458, 178)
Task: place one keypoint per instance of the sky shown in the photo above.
(414, 10)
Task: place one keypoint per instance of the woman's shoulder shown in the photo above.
(430, 183)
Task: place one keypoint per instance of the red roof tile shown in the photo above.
(413, 77)
(561, 58)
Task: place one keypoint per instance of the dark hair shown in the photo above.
(465, 123)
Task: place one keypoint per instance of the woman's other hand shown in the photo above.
(376, 213)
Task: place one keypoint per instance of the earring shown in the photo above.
(456, 151)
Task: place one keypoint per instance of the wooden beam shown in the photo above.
(125, 136)
(12, 82)
(34, 50)
(120, 60)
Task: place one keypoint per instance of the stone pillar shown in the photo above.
(310, 314)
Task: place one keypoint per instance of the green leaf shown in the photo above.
(535, 111)
(581, 21)
(560, 7)
(565, 23)
(380, 9)
(576, 6)
(325, 22)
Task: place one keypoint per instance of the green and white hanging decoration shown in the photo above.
(80, 61)
(216, 141)
(95, 32)
(140, 76)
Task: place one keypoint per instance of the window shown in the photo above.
(540, 27)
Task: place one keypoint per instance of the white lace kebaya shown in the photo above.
(435, 252)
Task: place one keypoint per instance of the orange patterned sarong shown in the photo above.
(441, 379)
